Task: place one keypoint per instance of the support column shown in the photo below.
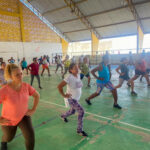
(21, 23)
(94, 44)
(22, 33)
(140, 37)
(64, 46)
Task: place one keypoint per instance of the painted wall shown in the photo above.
(28, 50)
(14, 15)
(23, 34)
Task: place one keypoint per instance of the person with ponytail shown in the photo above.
(14, 97)
(73, 94)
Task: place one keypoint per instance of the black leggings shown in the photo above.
(38, 78)
(27, 130)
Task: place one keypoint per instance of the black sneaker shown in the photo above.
(82, 133)
(117, 106)
(88, 102)
(40, 87)
(133, 93)
(64, 119)
(3, 145)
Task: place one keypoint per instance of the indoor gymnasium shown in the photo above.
(75, 74)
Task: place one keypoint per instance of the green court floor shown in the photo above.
(108, 128)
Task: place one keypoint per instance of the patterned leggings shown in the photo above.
(75, 106)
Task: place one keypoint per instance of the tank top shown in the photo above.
(104, 73)
(24, 64)
(67, 63)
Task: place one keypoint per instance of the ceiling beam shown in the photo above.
(135, 13)
(57, 9)
(102, 12)
(74, 9)
(108, 25)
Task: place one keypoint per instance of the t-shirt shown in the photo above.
(124, 69)
(44, 61)
(34, 68)
(74, 85)
(2, 79)
(104, 73)
(58, 61)
(73, 60)
(141, 66)
(12, 61)
(84, 68)
(15, 103)
(67, 63)
(24, 64)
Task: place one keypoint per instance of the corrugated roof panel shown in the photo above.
(127, 28)
(135, 1)
(100, 20)
(143, 10)
(93, 6)
(118, 30)
(46, 5)
(79, 36)
(90, 7)
(60, 15)
(112, 17)
(146, 25)
(70, 26)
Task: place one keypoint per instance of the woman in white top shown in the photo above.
(73, 94)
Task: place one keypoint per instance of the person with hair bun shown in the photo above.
(74, 87)
(14, 97)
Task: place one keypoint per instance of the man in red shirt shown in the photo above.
(34, 70)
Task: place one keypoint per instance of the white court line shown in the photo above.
(124, 123)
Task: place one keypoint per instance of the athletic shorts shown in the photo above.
(138, 72)
(121, 80)
(82, 76)
(108, 85)
(148, 71)
(24, 68)
(59, 65)
(45, 66)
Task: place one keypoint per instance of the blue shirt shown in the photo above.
(24, 64)
(104, 73)
(12, 61)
